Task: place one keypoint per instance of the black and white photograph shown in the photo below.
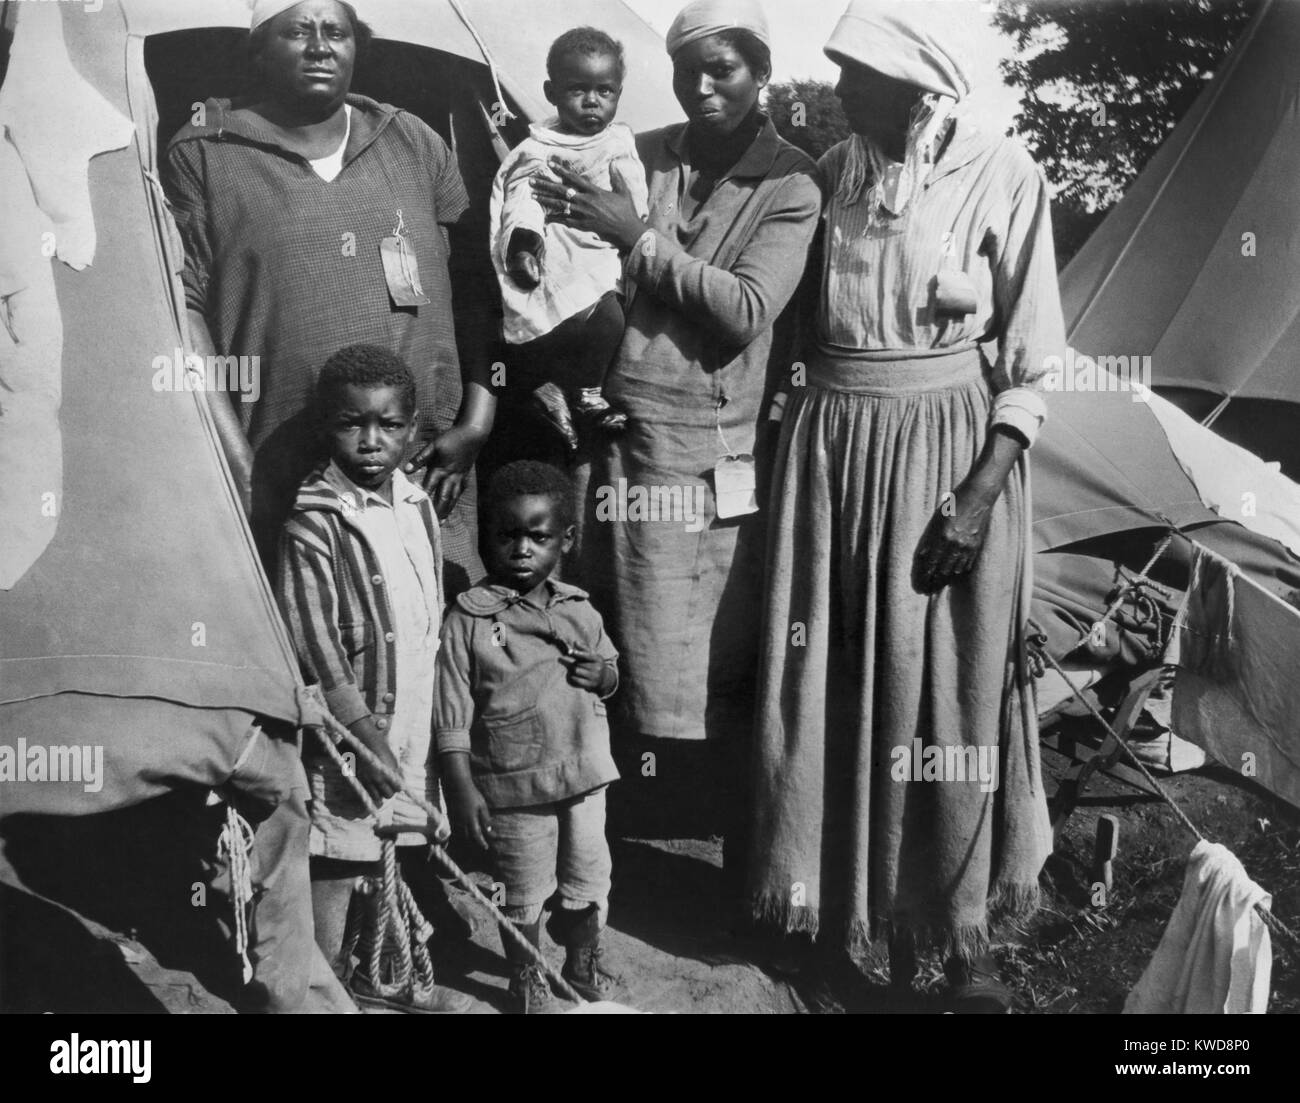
(633, 507)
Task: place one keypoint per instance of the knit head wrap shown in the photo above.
(709, 17)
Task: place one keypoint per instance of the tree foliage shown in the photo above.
(1104, 81)
(807, 114)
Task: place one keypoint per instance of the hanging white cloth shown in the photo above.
(1216, 957)
(31, 379)
(58, 122)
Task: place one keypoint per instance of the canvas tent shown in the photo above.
(1198, 265)
(1165, 276)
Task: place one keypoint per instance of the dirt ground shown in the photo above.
(671, 943)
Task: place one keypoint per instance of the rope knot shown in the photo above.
(235, 844)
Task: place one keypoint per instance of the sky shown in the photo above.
(800, 29)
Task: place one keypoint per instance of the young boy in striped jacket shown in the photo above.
(360, 585)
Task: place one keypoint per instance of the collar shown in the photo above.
(755, 162)
(488, 599)
(967, 143)
(328, 488)
(547, 133)
(368, 120)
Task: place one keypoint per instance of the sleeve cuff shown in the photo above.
(1020, 409)
(646, 260)
(452, 740)
(517, 221)
(346, 704)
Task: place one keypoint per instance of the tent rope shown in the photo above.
(331, 726)
(395, 933)
(236, 845)
(1270, 920)
(506, 113)
(1136, 583)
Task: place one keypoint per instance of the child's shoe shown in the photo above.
(530, 993)
(549, 404)
(579, 931)
(591, 406)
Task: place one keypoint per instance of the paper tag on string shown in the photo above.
(401, 270)
(735, 486)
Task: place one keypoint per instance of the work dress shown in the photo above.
(286, 266)
(897, 774)
(679, 588)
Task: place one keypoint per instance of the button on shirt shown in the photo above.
(409, 579)
(396, 533)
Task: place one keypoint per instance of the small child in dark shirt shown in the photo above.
(523, 743)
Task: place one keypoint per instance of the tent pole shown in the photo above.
(1213, 415)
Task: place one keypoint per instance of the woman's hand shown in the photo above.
(952, 540)
(449, 459)
(951, 543)
(578, 203)
(225, 416)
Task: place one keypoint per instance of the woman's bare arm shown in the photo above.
(221, 403)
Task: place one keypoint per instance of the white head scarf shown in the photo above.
(703, 18)
(908, 43)
(903, 40)
(269, 9)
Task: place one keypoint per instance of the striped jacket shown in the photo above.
(331, 590)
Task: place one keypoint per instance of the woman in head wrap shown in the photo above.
(314, 219)
(672, 557)
(898, 789)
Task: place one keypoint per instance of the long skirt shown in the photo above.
(678, 586)
(897, 785)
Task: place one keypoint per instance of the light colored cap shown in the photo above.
(902, 40)
(703, 18)
(269, 9)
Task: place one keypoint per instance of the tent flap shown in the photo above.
(150, 586)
